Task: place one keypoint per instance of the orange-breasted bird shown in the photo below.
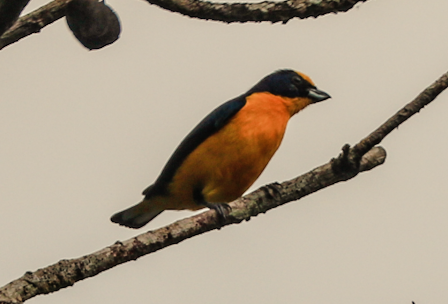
(227, 151)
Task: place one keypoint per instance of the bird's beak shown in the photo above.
(317, 95)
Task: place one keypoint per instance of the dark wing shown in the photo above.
(207, 127)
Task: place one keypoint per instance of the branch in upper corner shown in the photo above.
(226, 12)
(9, 13)
(256, 12)
(34, 22)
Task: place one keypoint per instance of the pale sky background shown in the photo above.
(84, 132)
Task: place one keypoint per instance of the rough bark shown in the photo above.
(34, 22)
(256, 12)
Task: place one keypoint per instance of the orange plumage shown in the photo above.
(224, 155)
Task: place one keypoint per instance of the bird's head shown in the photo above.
(291, 85)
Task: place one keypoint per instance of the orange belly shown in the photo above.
(226, 164)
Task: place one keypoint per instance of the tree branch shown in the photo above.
(256, 12)
(348, 162)
(34, 22)
(225, 12)
(423, 99)
(67, 272)
(9, 12)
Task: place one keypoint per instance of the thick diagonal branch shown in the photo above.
(67, 272)
(225, 12)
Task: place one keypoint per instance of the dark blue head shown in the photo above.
(289, 83)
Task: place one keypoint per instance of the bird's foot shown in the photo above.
(222, 210)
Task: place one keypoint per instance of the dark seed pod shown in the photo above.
(93, 23)
(9, 12)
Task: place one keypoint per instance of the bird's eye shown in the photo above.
(297, 80)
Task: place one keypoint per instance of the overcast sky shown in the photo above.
(84, 132)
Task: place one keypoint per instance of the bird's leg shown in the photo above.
(222, 209)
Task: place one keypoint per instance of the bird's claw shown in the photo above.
(223, 210)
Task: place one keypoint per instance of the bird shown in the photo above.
(227, 151)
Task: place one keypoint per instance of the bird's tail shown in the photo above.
(137, 216)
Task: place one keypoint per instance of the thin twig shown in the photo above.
(348, 162)
(423, 99)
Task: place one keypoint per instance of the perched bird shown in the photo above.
(227, 151)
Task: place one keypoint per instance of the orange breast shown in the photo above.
(226, 164)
